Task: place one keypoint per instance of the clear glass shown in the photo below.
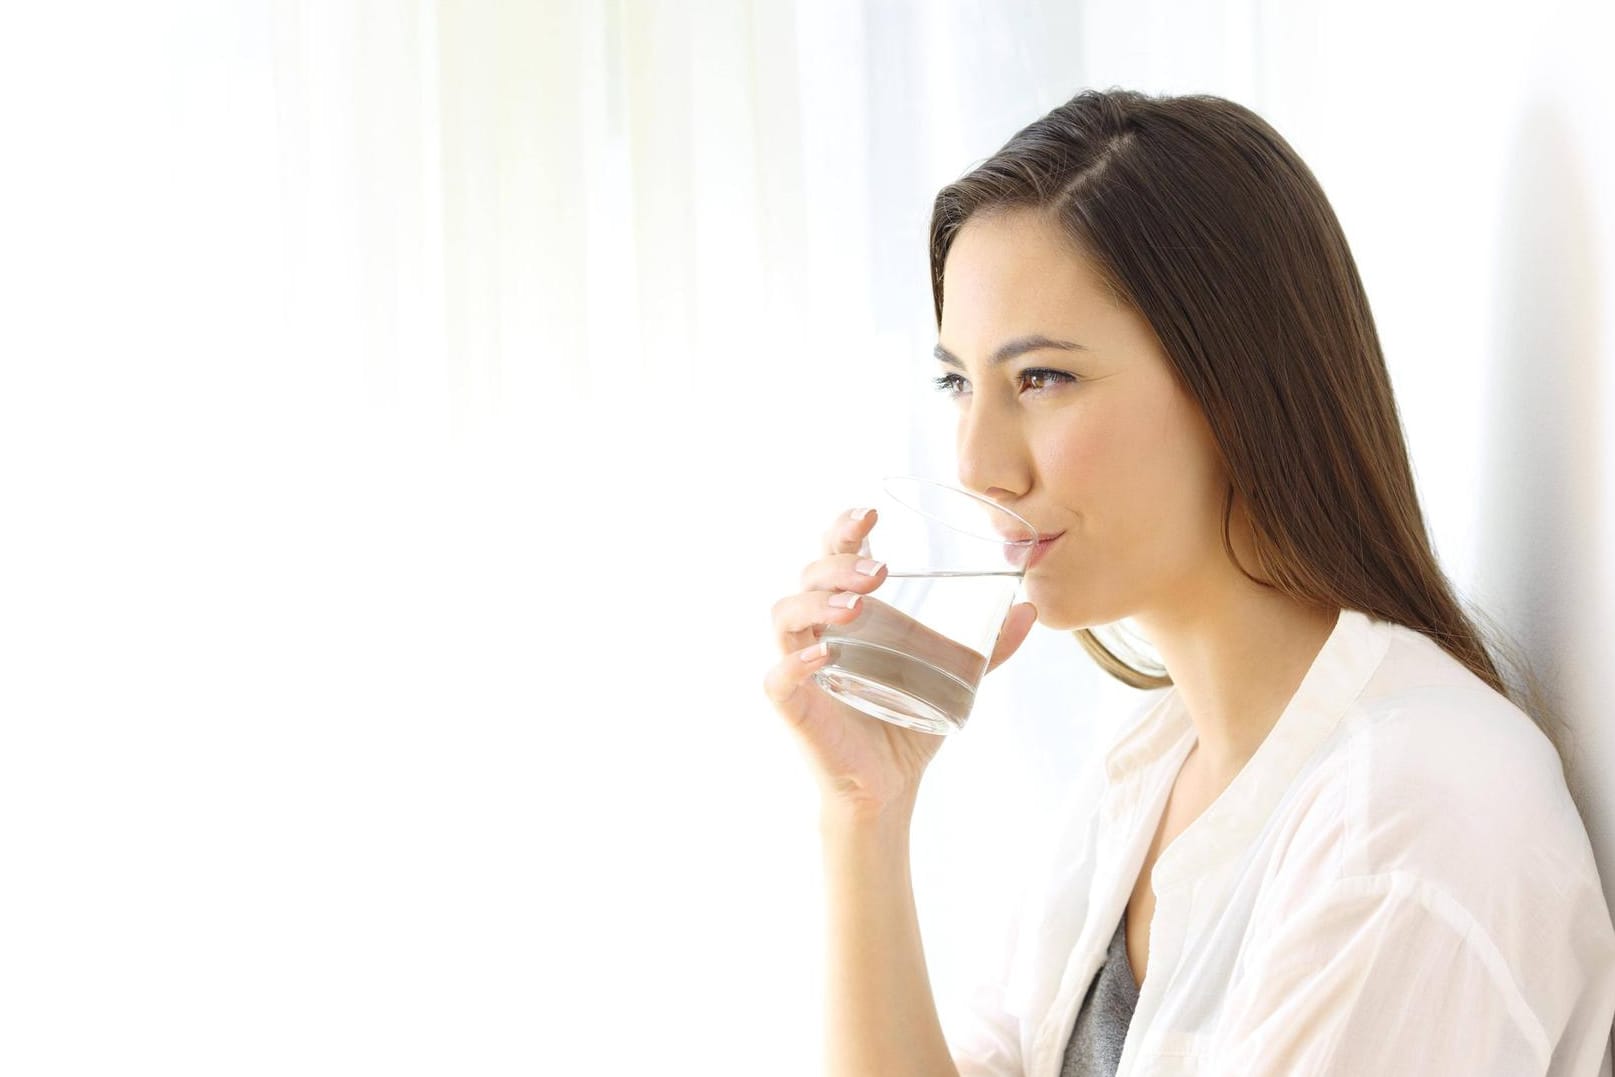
(921, 641)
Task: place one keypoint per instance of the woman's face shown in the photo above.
(1107, 448)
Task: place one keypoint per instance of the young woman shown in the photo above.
(1329, 843)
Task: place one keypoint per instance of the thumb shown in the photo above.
(1016, 627)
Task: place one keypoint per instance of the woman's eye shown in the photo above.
(951, 384)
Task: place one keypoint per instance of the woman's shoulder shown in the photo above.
(1438, 810)
(1427, 734)
(1433, 773)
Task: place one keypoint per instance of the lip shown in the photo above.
(1042, 547)
(1039, 548)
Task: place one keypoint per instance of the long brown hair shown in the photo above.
(1198, 215)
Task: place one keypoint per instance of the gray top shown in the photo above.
(1095, 1046)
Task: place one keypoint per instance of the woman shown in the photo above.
(1329, 843)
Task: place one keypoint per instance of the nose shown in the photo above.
(992, 458)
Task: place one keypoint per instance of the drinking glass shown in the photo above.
(921, 641)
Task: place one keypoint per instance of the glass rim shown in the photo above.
(887, 480)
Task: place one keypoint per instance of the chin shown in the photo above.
(1056, 615)
(1068, 624)
(1059, 610)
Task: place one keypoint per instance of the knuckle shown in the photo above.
(778, 684)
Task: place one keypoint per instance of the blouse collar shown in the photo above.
(1151, 750)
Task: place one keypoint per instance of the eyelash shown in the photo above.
(947, 382)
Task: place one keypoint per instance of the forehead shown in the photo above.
(1016, 267)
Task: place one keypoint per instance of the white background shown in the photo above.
(409, 413)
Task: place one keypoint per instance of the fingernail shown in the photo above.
(818, 650)
(859, 514)
(869, 568)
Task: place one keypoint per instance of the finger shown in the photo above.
(844, 572)
(785, 678)
(799, 619)
(1016, 628)
(848, 535)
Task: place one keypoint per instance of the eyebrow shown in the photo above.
(1018, 346)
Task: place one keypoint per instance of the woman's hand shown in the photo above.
(862, 764)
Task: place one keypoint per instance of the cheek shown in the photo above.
(1081, 455)
(1146, 479)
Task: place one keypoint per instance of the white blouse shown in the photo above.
(1397, 882)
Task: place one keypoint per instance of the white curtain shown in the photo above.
(411, 412)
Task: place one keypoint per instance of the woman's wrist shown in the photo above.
(840, 815)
